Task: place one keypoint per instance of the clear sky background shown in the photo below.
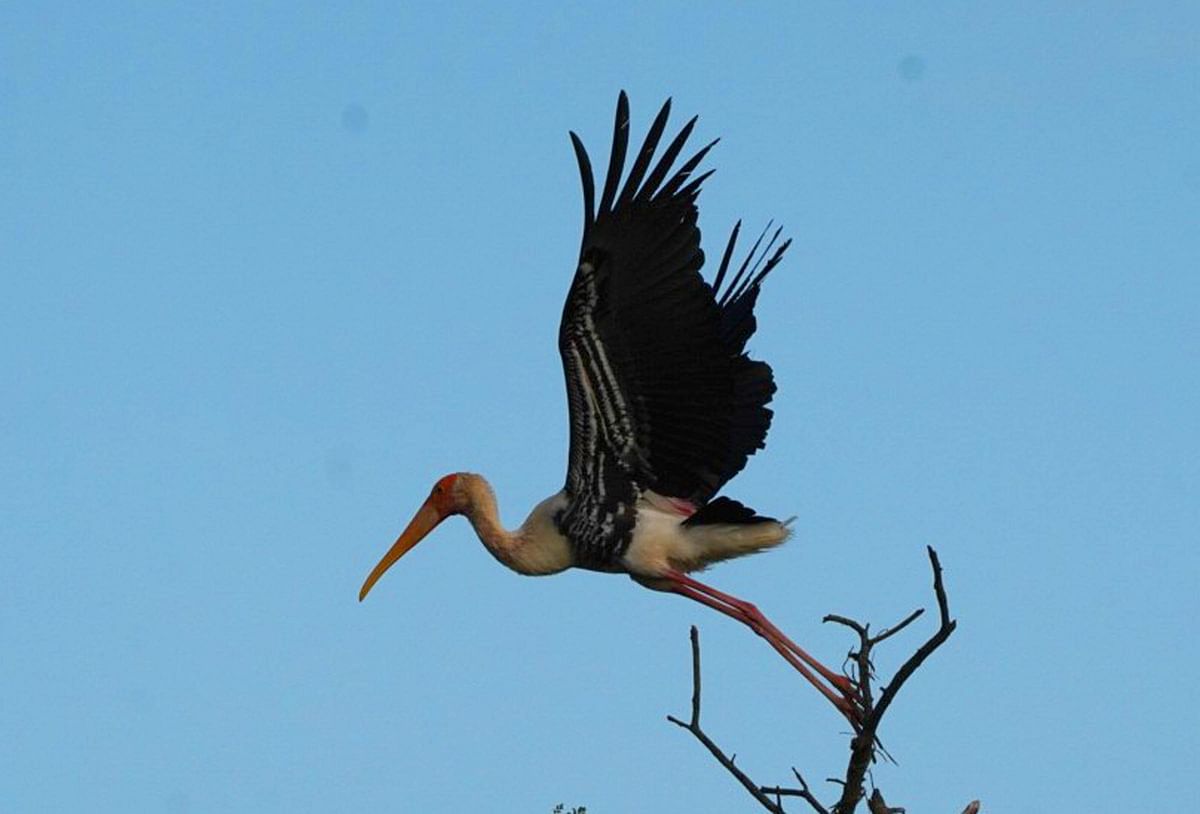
(269, 269)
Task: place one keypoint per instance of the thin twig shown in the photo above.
(780, 793)
(860, 629)
(888, 694)
(892, 631)
(808, 795)
(693, 726)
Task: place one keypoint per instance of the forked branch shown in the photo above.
(693, 726)
(864, 744)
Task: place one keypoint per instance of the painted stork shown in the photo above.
(665, 405)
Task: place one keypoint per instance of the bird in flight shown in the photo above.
(665, 405)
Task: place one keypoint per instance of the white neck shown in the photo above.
(535, 548)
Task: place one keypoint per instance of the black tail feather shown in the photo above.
(726, 510)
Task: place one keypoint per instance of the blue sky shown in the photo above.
(269, 269)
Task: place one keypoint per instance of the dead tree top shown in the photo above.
(865, 747)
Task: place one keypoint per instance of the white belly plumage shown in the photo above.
(661, 542)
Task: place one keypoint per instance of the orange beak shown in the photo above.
(425, 521)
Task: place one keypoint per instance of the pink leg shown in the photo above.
(841, 696)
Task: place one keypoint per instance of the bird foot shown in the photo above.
(855, 715)
(851, 702)
(845, 685)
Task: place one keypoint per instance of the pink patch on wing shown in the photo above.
(683, 507)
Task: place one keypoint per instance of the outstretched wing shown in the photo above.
(661, 394)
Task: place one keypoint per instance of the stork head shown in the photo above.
(448, 496)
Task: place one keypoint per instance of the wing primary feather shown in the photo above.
(772, 263)
(642, 162)
(737, 279)
(664, 164)
(754, 269)
(616, 161)
(589, 184)
(693, 189)
(686, 170)
(733, 236)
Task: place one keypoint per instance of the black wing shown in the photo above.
(660, 391)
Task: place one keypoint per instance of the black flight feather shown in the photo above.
(642, 162)
(616, 161)
(661, 393)
(589, 185)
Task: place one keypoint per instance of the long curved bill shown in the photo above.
(425, 521)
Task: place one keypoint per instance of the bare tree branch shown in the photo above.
(803, 793)
(892, 631)
(864, 744)
(924, 651)
(693, 726)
